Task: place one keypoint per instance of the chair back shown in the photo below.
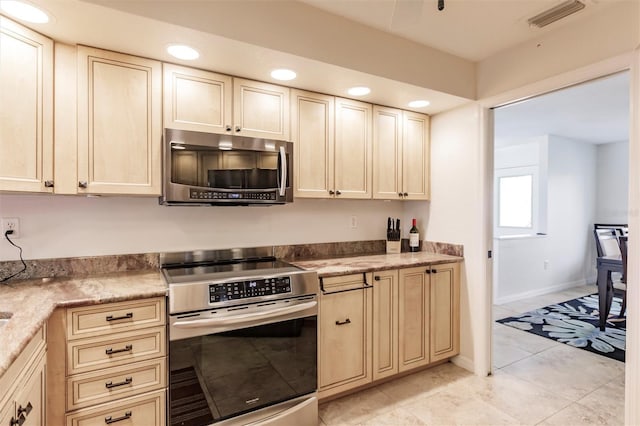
(606, 242)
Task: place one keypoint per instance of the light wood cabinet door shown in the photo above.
(413, 316)
(445, 311)
(26, 109)
(387, 153)
(312, 132)
(385, 324)
(260, 110)
(344, 334)
(415, 156)
(119, 123)
(30, 401)
(197, 100)
(353, 146)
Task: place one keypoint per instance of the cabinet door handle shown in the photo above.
(48, 184)
(406, 194)
(399, 194)
(111, 351)
(347, 321)
(26, 410)
(377, 278)
(128, 315)
(428, 271)
(110, 384)
(16, 422)
(82, 184)
(238, 128)
(433, 271)
(109, 420)
(338, 192)
(227, 128)
(331, 192)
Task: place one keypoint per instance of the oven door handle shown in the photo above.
(257, 317)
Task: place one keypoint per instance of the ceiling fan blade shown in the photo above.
(406, 12)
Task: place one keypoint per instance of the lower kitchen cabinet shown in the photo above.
(403, 319)
(22, 395)
(108, 364)
(345, 334)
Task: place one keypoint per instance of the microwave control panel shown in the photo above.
(250, 288)
(199, 194)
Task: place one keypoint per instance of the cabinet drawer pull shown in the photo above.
(25, 410)
(109, 420)
(110, 384)
(111, 351)
(347, 321)
(128, 315)
(83, 184)
(48, 184)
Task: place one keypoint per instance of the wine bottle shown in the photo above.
(414, 237)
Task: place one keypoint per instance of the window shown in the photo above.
(516, 201)
(520, 202)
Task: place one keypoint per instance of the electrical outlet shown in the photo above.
(354, 222)
(11, 224)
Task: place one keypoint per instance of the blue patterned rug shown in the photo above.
(575, 323)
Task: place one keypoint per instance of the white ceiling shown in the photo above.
(594, 112)
(471, 29)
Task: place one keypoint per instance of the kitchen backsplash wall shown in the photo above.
(72, 226)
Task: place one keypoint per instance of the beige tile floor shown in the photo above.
(536, 381)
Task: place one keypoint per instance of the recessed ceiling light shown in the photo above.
(419, 104)
(283, 74)
(182, 51)
(359, 91)
(24, 11)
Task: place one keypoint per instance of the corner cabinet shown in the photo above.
(401, 154)
(26, 109)
(119, 123)
(23, 386)
(204, 101)
(345, 334)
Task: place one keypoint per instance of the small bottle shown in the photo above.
(414, 237)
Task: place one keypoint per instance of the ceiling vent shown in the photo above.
(555, 13)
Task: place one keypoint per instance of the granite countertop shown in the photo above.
(372, 263)
(33, 301)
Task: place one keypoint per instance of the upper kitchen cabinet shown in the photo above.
(353, 146)
(26, 109)
(208, 102)
(119, 123)
(260, 110)
(400, 154)
(197, 100)
(312, 132)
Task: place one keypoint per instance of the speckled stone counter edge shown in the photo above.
(92, 265)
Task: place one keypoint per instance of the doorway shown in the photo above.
(560, 165)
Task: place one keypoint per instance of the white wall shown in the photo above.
(456, 215)
(565, 256)
(612, 173)
(69, 226)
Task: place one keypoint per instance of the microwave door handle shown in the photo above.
(246, 318)
(283, 171)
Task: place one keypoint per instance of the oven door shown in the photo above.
(260, 360)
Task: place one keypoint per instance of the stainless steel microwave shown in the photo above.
(215, 169)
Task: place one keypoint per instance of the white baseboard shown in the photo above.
(464, 362)
(543, 290)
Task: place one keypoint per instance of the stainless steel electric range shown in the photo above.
(242, 339)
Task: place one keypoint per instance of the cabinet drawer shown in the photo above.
(143, 410)
(114, 350)
(108, 385)
(88, 321)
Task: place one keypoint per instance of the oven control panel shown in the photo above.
(250, 288)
